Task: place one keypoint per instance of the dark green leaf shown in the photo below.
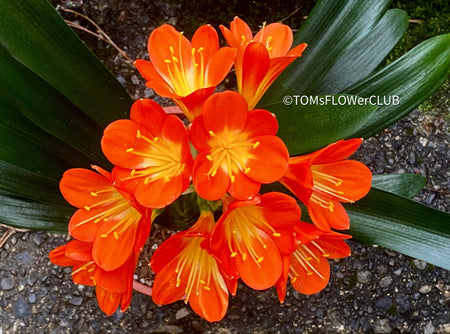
(20, 182)
(23, 213)
(305, 128)
(26, 93)
(329, 30)
(404, 185)
(400, 224)
(364, 54)
(412, 78)
(34, 33)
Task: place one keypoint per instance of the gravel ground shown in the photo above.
(376, 290)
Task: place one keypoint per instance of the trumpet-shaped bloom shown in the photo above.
(186, 269)
(307, 266)
(151, 153)
(237, 149)
(184, 71)
(107, 217)
(251, 237)
(260, 58)
(113, 288)
(323, 179)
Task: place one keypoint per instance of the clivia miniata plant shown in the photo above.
(272, 190)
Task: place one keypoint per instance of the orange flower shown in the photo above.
(113, 288)
(151, 153)
(307, 266)
(237, 149)
(107, 217)
(187, 72)
(186, 269)
(260, 58)
(323, 179)
(251, 237)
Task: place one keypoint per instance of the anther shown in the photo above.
(234, 254)
(87, 208)
(146, 181)
(214, 173)
(103, 236)
(128, 150)
(94, 194)
(155, 140)
(209, 157)
(138, 134)
(309, 273)
(247, 170)
(166, 178)
(232, 178)
(200, 49)
(97, 220)
(207, 288)
(211, 133)
(326, 255)
(265, 246)
(167, 61)
(255, 145)
(133, 171)
(178, 282)
(244, 256)
(276, 234)
(202, 281)
(116, 235)
(260, 259)
(171, 49)
(193, 51)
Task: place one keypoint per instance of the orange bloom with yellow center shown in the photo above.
(324, 179)
(251, 237)
(113, 288)
(151, 153)
(185, 269)
(307, 266)
(237, 149)
(109, 218)
(184, 71)
(260, 58)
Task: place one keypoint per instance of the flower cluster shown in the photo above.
(224, 151)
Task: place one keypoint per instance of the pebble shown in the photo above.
(32, 298)
(37, 239)
(382, 327)
(429, 328)
(6, 284)
(384, 303)
(420, 264)
(76, 301)
(182, 313)
(424, 289)
(385, 281)
(364, 276)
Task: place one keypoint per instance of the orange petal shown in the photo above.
(277, 36)
(79, 251)
(119, 280)
(160, 43)
(194, 101)
(243, 188)
(355, 179)
(83, 274)
(58, 256)
(154, 80)
(77, 185)
(165, 289)
(205, 37)
(209, 187)
(84, 224)
(264, 271)
(324, 219)
(238, 29)
(315, 277)
(281, 284)
(298, 179)
(160, 192)
(335, 247)
(114, 243)
(270, 160)
(337, 151)
(149, 114)
(261, 122)
(227, 110)
(107, 301)
(219, 66)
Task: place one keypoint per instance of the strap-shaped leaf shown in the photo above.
(310, 126)
(23, 213)
(412, 78)
(400, 224)
(331, 27)
(25, 145)
(17, 181)
(404, 185)
(26, 93)
(34, 33)
(364, 54)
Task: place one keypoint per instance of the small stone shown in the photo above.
(32, 298)
(384, 302)
(429, 328)
(382, 327)
(364, 276)
(182, 313)
(37, 240)
(420, 264)
(6, 284)
(386, 281)
(424, 289)
(447, 328)
(76, 301)
(423, 141)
